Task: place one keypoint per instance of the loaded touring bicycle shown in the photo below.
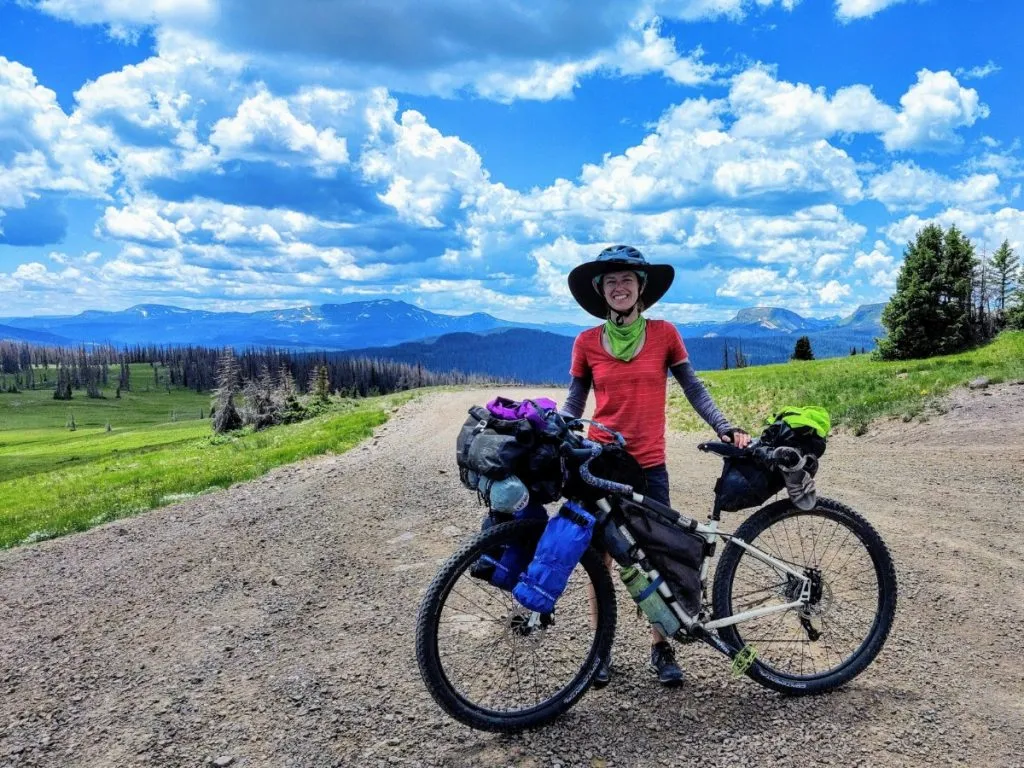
(513, 628)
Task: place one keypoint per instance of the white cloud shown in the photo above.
(979, 72)
(933, 109)
(827, 263)
(986, 229)
(699, 10)
(425, 170)
(879, 267)
(264, 127)
(766, 107)
(906, 186)
(43, 150)
(847, 10)
(758, 283)
(833, 292)
(122, 13)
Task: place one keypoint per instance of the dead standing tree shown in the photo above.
(225, 415)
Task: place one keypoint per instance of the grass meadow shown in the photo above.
(54, 481)
(158, 450)
(853, 389)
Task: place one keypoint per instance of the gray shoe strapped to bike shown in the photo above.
(663, 664)
(799, 483)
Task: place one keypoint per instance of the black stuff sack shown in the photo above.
(674, 551)
(745, 483)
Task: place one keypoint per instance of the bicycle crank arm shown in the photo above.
(711, 638)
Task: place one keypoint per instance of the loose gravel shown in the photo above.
(272, 624)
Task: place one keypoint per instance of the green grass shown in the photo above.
(56, 482)
(854, 389)
(146, 403)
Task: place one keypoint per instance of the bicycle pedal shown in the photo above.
(743, 660)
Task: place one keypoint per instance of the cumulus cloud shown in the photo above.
(424, 170)
(833, 292)
(877, 265)
(986, 229)
(906, 186)
(264, 127)
(931, 110)
(758, 283)
(41, 148)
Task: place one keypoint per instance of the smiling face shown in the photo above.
(621, 290)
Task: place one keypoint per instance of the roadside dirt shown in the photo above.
(272, 624)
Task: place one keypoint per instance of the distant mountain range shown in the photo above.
(476, 343)
(328, 326)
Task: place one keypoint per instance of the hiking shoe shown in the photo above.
(604, 673)
(663, 664)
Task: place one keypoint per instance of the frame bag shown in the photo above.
(674, 551)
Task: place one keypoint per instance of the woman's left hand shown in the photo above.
(737, 437)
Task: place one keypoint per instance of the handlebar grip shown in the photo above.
(599, 482)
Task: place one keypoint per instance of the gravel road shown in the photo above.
(272, 624)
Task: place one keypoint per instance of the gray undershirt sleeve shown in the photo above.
(699, 398)
(576, 400)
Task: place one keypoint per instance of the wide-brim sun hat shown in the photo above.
(586, 288)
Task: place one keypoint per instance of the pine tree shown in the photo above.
(322, 386)
(1005, 265)
(802, 349)
(931, 312)
(725, 356)
(286, 397)
(225, 415)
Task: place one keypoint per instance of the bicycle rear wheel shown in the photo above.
(482, 658)
(853, 595)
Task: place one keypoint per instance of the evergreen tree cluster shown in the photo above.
(948, 298)
(256, 373)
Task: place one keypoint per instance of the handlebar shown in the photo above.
(594, 450)
(784, 457)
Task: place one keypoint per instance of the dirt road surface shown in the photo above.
(272, 624)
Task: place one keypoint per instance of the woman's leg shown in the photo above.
(663, 659)
(657, 489)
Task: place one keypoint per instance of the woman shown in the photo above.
(625, 361)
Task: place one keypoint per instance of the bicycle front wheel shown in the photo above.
(853, 600)
(491, 663)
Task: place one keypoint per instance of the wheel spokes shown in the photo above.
(493, 659)
(840, 620)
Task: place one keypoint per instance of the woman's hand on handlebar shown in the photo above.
(737, 437)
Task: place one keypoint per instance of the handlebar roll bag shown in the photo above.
(559, 550)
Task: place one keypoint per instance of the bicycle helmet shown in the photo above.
(585, 279)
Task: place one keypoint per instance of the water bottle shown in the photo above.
(508, 495)
(651, 603)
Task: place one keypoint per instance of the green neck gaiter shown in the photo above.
(625, 339)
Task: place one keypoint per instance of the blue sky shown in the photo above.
(464, 155)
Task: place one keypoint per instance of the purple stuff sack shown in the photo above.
(531, 410)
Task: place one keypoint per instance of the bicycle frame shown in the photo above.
(710, 533)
